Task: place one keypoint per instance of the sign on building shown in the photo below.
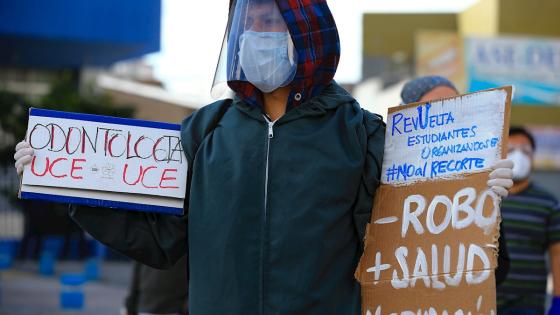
(531, 65)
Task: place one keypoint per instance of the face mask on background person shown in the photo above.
(521, 164)
(267, 59)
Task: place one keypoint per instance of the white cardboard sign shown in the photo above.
(106, 161)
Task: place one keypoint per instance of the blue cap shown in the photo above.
(413, 90)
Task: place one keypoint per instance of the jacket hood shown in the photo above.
(316, 41)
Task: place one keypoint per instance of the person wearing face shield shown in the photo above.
(281, 177)
(531, 218)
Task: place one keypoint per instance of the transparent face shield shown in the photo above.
(257, 48)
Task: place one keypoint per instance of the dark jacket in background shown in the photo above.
(503, 258)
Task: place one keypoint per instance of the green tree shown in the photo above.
(64, 96)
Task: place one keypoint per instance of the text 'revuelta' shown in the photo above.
(443, 138)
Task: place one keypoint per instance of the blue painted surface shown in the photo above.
(53, 244)
(71, 294)
(92, 269)
(72, 33)
(47, 263)
(7, 251)
(104, 119)
(102, 203)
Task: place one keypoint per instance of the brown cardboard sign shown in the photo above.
(431, 245)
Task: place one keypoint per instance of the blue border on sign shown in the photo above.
(101, 203)
(103, 119)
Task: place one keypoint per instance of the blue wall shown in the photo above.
(73, 33)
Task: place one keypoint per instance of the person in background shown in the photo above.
(429, 88)
(531, 217)
(157, 292)
(46, 220)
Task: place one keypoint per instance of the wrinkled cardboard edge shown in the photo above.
(503, 148)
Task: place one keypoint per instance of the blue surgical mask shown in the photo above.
(267, 59)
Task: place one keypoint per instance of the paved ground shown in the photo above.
(24, 292)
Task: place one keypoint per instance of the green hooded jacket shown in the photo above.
(275, 213)
(282, 236)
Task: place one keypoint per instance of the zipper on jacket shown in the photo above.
(270, 135)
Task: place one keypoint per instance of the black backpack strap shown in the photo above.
(194, 129)
(199, 125)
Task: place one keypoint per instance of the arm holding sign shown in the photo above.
(154, 239)
(375, 132)
(157, 240)
(500, 181)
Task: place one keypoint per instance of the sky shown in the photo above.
(192, 35)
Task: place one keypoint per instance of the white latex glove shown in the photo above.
(500, 179)
(23, 155)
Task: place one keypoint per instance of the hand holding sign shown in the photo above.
(23, 156)
(103, 161)
(500, 180)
